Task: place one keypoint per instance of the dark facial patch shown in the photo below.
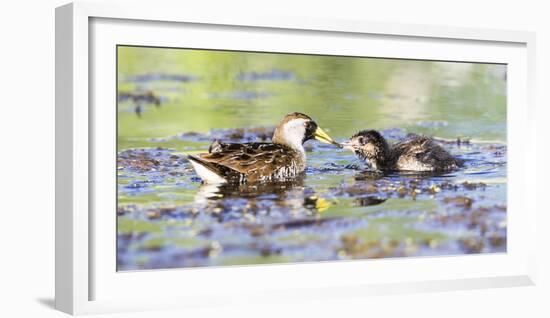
(311, 127)
(368, 136)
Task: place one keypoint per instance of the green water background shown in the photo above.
(342, 94)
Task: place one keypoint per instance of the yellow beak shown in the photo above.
(324, 137)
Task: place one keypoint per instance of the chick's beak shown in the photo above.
(322, 136)
(347, 145)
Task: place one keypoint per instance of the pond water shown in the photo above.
(174, 102)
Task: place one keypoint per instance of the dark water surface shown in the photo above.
(175, 102)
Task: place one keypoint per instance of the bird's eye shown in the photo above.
(361, 140)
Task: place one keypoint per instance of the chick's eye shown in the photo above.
(361, 140)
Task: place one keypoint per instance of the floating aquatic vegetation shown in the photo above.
(261, 134)
(138, 100)
(145, 97)
(336, 211)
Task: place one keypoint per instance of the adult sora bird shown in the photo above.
(282, 159)
(417, 153)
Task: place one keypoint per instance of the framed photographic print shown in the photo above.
(201, 156)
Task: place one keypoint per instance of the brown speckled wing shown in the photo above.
(426, 152)
(251, 160)
(416, 145)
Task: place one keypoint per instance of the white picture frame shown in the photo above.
(77, 269)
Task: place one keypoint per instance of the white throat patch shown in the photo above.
(294, 132)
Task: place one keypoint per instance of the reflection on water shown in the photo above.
(338, 209)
